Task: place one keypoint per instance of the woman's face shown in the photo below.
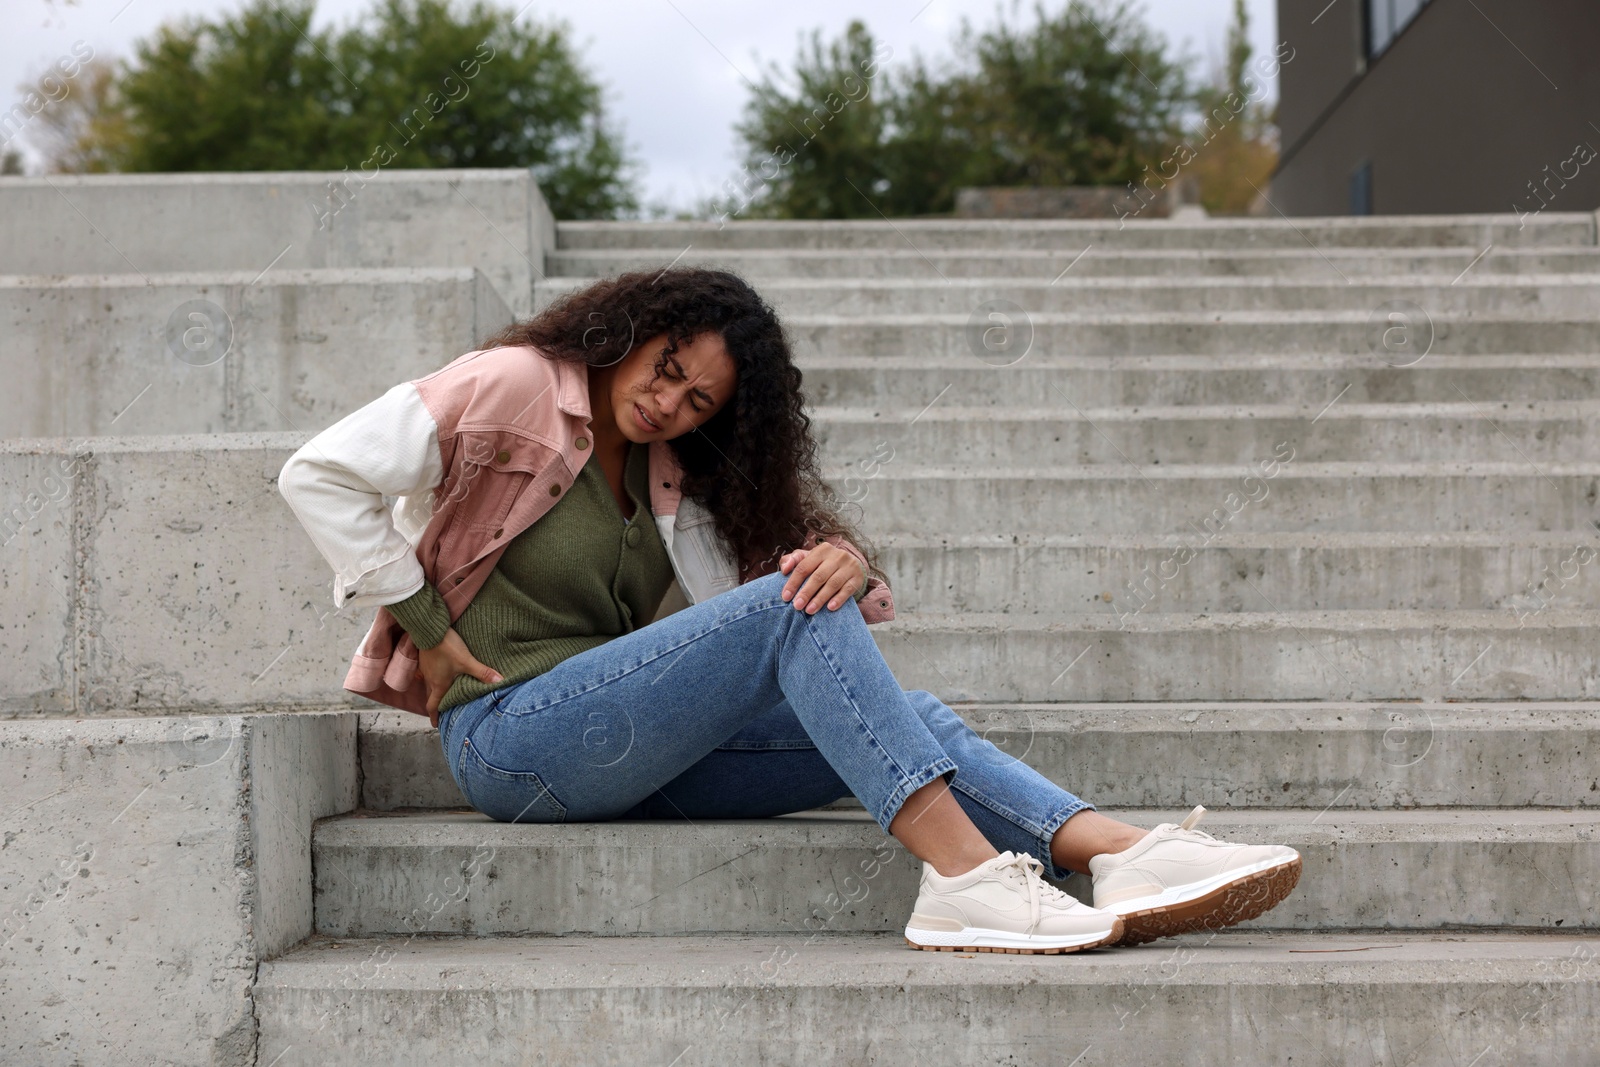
(693, 385)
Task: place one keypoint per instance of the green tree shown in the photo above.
(1087, 95)
(1083, 97)
(1235, 144)
(414, 83)
(813, 148)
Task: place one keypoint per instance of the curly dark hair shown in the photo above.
(754, 463)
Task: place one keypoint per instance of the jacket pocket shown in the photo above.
(506, 796)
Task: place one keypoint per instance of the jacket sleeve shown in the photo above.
(336, 485)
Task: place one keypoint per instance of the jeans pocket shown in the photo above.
(506, 796)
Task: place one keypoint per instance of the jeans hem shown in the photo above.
(910, 784)
(1051, 825)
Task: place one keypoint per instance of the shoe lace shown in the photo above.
(1039, 891)
(1189, 822)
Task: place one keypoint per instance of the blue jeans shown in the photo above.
(737, 707)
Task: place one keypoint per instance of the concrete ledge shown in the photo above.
(951, 433)
(1487, 296)
(1260, 333)
(961, 500)
(1389, 231)
(492, 220)
(1310, 380)
(227, 352)
(146, 575)
(1250, 656)
(1521, 574)
(149, 866)
(403, 765)
(1173, 756)
(759, 264)
(1363, 870)
(1191, 1002)
(908, 497)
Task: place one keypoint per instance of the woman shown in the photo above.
(548, 489)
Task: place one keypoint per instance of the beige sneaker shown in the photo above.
(1178, 880)
(1004, 905)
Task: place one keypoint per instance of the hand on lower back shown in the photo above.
(439, 666)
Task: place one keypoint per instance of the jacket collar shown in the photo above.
(572, 387)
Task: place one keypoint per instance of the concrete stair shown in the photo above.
(1378, 646)
(788, 264)
(1389, 870)
(1380, 654)
(1323, 755)
(1134, 381)
(1237, 998)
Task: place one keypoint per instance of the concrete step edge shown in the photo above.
(711, 961)
(424, 831)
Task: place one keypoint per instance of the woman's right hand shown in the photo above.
(439, 666)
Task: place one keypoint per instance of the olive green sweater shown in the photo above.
(572, 581)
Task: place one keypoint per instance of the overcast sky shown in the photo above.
(674, 69)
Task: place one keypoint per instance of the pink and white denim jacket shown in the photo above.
(432, 480)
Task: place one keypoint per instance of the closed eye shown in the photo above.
(675, 372)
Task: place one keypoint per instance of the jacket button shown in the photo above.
(497, 534)
(460, 580)
(582, 442)
(666, 485)
(632, 536)
(555, 490)
(503, 457)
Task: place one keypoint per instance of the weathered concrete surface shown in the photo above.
(902, 262)
(1550, 228)
(1310, 380)
(136, 565)
(906, 496)
(1485, 296)
(222, 352)
(164, 573)
(402, 764)
(148, 867)
(1257, 655)
(1166, 333)
(465, 874)
(1521, 573)
(1239, 999)
(1173, 756)
(493, 220)
(1052, 433)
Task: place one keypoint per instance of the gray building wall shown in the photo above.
(1478, 105)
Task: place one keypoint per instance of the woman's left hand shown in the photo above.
(825, 574)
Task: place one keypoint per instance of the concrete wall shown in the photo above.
(495, 220)
(1468, 105)
(221, 352)
(148, 867)
(143, 575)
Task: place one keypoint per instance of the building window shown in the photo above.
(1385, 19)
(1361, 189)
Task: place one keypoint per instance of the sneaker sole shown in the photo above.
(1232, 902)
(972, 939)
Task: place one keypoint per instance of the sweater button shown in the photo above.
(883, 603)
(460, 580)
(503, 457)
(497, 534)
(555, 490)
(582, 442)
